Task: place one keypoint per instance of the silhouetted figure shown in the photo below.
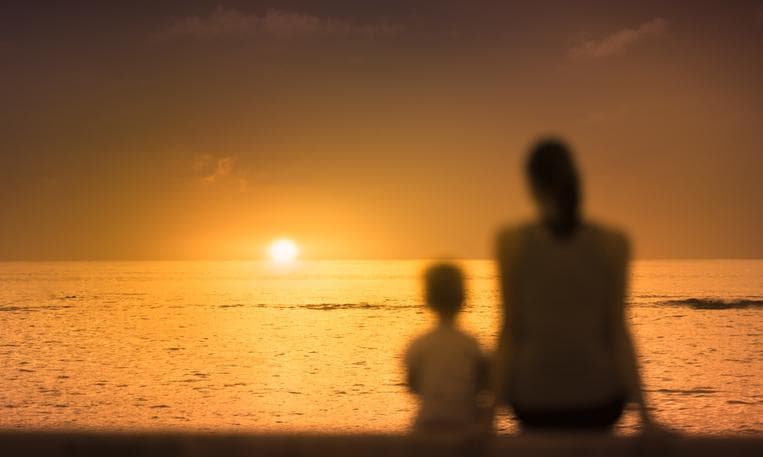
(565, 357)
(445, 366)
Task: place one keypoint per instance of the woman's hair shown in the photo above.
(551, 171)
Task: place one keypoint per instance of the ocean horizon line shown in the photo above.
(343, 259)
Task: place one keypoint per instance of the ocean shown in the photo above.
(316, 346)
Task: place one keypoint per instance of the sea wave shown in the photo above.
(322, 306)
(715, 303)
(698, 391)
(335, 306)
(22, 309)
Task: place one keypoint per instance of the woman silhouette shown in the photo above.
(565, 357)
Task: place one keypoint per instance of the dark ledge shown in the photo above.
(316, 445)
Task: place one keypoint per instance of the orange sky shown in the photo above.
(206, 129)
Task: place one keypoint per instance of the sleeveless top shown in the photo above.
(563, 300)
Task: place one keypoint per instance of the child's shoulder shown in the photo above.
(438, 335)
(459, 338)
(452, 342)
(417, 346)
(423, 339)
(470, 340)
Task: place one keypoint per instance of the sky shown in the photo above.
(204, 130)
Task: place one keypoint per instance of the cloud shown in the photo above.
(274, 24)
(211, 169)
(619, 41)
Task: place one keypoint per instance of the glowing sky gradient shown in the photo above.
(193, 129)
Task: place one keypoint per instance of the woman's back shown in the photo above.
(564, 296)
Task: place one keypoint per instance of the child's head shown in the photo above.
(444, 289)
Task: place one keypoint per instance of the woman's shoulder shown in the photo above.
(515, 234)
(614, 241)
(512, 241)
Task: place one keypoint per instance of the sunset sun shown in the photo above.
(284, 250)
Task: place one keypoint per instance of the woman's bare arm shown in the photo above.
(623, 341)
(506, 255)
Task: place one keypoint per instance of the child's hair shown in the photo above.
(444, 288)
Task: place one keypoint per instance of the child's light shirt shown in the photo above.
(446, 368)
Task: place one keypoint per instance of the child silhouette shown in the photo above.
(445, 367)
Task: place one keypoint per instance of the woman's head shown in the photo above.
(553, 179)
